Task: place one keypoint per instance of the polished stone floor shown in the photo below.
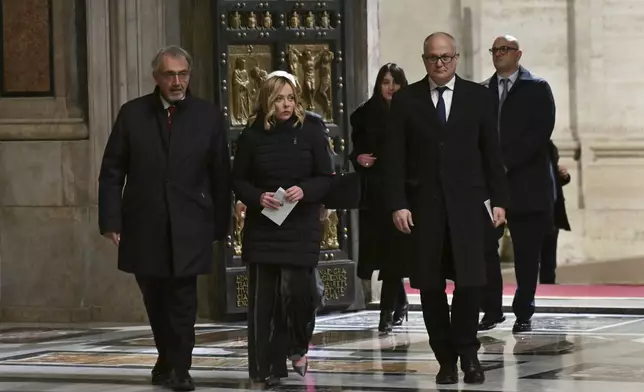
(566, 352)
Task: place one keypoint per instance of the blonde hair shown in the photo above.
(266, 98)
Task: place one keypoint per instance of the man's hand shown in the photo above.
(366, 160)
(294, 193)
(267, 200)
(563, 171)
(402, 221)
(499, 216)
(115, 237)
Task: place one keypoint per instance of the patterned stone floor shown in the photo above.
(566, 352)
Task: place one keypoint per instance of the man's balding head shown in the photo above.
(440, 57)
(506, 54)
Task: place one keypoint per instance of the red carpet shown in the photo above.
(567, 291)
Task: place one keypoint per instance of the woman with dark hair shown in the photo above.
(282, 147)
(381, 245)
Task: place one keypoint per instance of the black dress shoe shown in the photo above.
(490, 323)
(161, 374)
(522, 326)
(182, 382)
(473, 370)
(386, 321)
(400, 314)
(447, 375)
(271, 381)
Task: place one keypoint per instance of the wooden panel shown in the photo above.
(26, 47)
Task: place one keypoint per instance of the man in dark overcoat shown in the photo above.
(525, 110)
(443, 162)
(164, 197)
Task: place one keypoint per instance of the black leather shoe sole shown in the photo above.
(160, 378)
(522, 327)
(475, 377)
(447, 376)
(183, 384)
(486, 325)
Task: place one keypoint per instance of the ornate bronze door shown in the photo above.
(305, 38)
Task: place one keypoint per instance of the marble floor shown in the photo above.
(566, 352)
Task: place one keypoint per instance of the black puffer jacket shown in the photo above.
(284, 156)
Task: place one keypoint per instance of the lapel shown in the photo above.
(427, 108)
(494, 90)
(458, 102)
(185, 125)
(161, 117)
(524, 75)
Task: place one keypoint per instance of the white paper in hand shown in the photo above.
(279, 215)
(488, 207)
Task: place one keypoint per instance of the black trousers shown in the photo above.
(455, 336)
(392, 294)
(528, 232)
(171, 304)
(281, 317)
(492, 302)
(547, 270)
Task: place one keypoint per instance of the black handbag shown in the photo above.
(345, 192)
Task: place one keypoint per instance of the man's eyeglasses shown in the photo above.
(445, 59)
(183, 75)
(502, 50)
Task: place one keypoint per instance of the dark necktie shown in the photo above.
(440, 106)
(171, 110)
(504, 95)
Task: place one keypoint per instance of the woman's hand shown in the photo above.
(267, 200)
(366, 160)
(294, 193)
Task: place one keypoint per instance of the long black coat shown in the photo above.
(167, 193)
(526, 122)
(285, 156)
(561, 216)
(382, 247)
(443, 174)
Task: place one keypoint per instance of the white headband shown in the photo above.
(282, 74)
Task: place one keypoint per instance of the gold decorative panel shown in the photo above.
(241, 290)
(248, 66)
(330, 231)
(335, 282)
(240, 217)
(312, 65)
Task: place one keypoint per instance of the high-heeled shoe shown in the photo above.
(386, 321)
(400, 314)
(300, 369)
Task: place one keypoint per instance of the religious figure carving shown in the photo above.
(268, 20)
(310, 20)
(294, 23)
(308, 62)
(315, 77)
(252, 21)
(324, 89)
(325, 20)
(330, 238)
(247, 69)
(258, 76)
(241, 94)
(235, 21)
(240, 217)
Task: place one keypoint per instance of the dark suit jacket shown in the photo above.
(526, 123)
(167, 192)
(443, 174)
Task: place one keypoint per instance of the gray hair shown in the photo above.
(173, 51)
